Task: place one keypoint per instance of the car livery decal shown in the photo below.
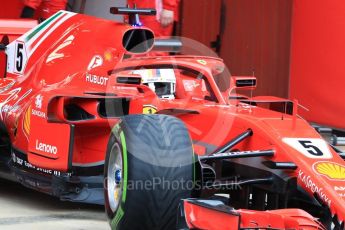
(313, 187)
(330, 170)
(26, 121)
(149, 109)
(314, 148)
(20, 50)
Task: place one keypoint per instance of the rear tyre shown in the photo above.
(148, 170)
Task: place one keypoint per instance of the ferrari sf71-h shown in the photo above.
(164, 142)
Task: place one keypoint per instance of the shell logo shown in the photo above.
(332, 171)
(26, 123)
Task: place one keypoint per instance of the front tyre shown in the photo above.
(148, 170)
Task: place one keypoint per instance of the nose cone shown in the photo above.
(334, 174)
(326, 179)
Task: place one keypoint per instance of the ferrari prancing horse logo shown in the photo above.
(149, 109)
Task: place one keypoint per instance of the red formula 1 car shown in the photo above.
(86, 119)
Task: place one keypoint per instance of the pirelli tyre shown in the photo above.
(148, 170)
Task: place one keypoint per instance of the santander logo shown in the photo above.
(51, 149)
(38, 101)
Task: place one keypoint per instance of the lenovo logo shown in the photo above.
(46, 148)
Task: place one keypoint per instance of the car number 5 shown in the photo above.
(312, 149)
(19, 57)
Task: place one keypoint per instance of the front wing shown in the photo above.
(215, 215)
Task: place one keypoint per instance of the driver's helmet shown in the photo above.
(161, 81)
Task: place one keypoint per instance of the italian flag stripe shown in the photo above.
(46, 31)
(42, 25)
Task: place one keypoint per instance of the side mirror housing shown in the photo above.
(244, 82)
(132, 79)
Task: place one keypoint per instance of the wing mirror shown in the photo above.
(132, 79)
(246, 83)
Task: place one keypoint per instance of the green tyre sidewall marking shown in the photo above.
(161, 205)
(118, 133)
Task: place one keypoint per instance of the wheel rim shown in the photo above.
(115, 175)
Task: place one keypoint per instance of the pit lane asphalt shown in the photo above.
(22, 208)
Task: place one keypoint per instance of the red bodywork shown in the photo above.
(202, 217)
(61, 75)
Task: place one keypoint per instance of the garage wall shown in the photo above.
(318, 60)
(200, 20)
(257, 38)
